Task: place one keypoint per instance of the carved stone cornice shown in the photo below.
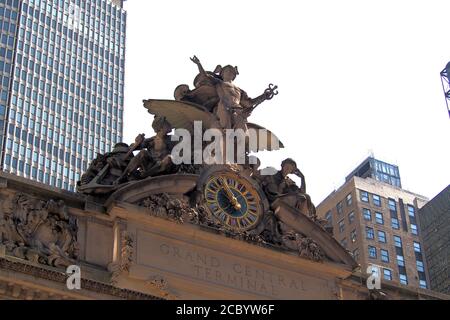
(86, 284)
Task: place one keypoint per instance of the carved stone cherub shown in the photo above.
(234, 106)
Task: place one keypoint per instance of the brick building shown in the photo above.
(377, 222)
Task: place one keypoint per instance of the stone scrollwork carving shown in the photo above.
(40, 231)
(126, 258)
(306, 247)
(158, 282)
(169, 207)
(274, 232)
(377, 295)
(126, 252)
(166, 206)
(161, 284)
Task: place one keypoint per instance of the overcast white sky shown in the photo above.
(354, 77)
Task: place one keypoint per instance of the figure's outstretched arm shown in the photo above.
(202, 71)
(253, 103)
(268, 94)
(196, 60)
(138, 143)
(258, 100)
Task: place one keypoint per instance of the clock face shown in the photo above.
(233, 200)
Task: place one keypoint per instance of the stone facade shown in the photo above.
(129, 251)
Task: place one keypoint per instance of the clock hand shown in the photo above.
(236, 205)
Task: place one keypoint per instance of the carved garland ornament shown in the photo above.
(166, 206)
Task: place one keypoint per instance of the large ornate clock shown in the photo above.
(232, 198)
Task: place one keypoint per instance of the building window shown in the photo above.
(353, 236)
(395, 224)
(384, 255)
(398, 241)
(348, 199)
(387, 274)
(414, 229)
(364, 196)
(423, 284)
(369, 233)
(339, 208)
(367, 215)
(419, 265)
(382, 236)
(379, 218)
(411, 211)
(417, 247)
(400, 261)
(403, 279)
(328, 217)
(376, 200)
(392, 205)
(341, 226)
(351, 217)
(372, 252)
(344, 243)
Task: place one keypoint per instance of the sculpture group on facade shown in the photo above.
(216, 98)
(219, 104)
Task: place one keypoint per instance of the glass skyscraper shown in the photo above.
(62, 86)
